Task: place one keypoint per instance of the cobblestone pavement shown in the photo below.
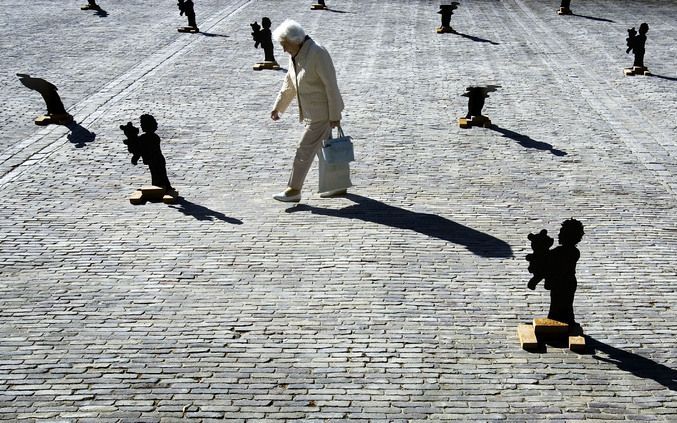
(399, 302)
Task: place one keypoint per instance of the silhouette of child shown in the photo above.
(637, 44)
(266, 40)
(151, 154)
(561, 275)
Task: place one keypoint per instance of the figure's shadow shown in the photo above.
(202, 213)
(526, 141)
(594, 18)
(337, 11)
(669, 78)
(635, 364)
(431, 225)
(209, 34)
(79, 135)
(476, 39)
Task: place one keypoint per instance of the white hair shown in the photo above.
(291, 31)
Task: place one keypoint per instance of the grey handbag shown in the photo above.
(339, 149)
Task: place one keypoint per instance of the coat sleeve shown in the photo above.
(286, 94)
(327, 73)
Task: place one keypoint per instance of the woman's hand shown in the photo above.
(334, 123)
(275, 115)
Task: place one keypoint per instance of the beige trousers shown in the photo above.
(311, 143)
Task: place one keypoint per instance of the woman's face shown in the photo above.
(290, 47)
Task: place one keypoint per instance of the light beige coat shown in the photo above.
(311, 79)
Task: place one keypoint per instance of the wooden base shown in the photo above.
(266, 65)
(636, 70)
(153, 193)
(318, 7)
(190, 29)
(527, 337)
(445, 30)
(45, 120)
(88, 7)
(564, 11)
(474, 121)
(544, 330)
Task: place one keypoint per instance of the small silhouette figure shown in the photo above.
(559, 269)
(320, 5)
(56, 113)
(91, 5)
(476, 97)
(264, 37)
(186, 7)
(446, 10)
(147, 146)
(540, 244)
(565, 8)
(636, 44)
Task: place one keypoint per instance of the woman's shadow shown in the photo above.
(202, 213)
(633, 363)
(431, 225)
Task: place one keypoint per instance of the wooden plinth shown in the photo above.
(549, 327)
(445, 30)
(318, 7)
(564, 11)
(153, 193)
(527, 337)
(45, 120)
(266, 65)
(636, 70)
(577, 343)
(190, 29)
(474, 121)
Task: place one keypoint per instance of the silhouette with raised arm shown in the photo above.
(56, 113)
(558, 268)
(203, 213)
(431, 225)
(476, 98)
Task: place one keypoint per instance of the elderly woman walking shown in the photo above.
(311, 79)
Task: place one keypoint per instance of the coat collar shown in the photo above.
(305, 48)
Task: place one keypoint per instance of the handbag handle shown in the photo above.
(339, 132)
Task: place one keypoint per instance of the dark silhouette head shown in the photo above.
(266, 23)
(148, 124)
(571, 232)
(643, 28)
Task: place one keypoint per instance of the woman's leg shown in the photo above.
(311, 142)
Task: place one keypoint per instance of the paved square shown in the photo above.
(399, 302)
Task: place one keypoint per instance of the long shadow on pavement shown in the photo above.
(633, 363)
(526, 141)
(476, 39)
(79, 135)
(593, 18)
(210, 34)
(202, 213)
(431, 225)
(669, 78)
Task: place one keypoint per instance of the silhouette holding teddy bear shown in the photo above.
(147, 147)
(558, 268)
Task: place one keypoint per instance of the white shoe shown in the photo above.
(333, 193)
(287, 198)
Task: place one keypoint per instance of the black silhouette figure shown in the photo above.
(186, 7)
(636, 44)
(147, 147)
(558, 268)
(565, 8)
(431, 225)
(446, 10)
(540, 244)
(264, 38)
(476, 96)
(320, 5)
(56, 113)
